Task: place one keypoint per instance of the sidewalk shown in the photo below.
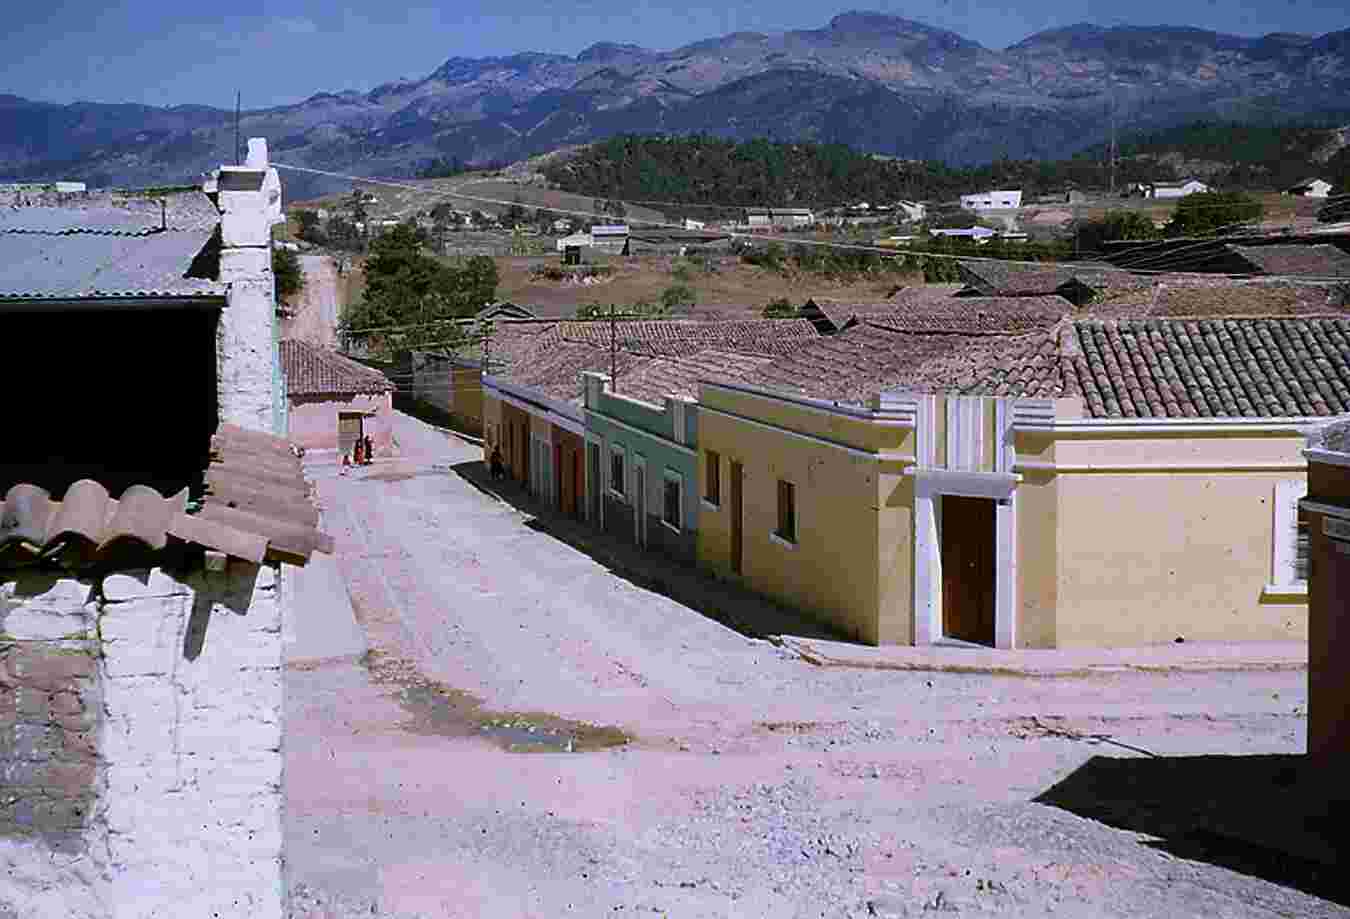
(758, 617)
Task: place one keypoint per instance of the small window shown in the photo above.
(713, 475)
(673, 510)
(616, 478)
(787, 511)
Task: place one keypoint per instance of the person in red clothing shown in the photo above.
(359, 452)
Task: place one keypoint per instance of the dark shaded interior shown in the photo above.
(120, 395)
(1282, 818)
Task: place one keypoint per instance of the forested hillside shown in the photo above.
(702, 170)
(706, 170)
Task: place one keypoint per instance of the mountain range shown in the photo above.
(876, 82)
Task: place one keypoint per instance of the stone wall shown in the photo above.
(140, 745)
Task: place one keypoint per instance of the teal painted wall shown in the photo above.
(648, 434)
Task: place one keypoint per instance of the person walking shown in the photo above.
(370, 449)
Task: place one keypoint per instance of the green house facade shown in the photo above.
(642, 468)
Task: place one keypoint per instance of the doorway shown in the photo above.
(593, 493)
(968, 567)
(349, 431)
(737, 509)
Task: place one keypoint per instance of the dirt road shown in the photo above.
(753, 784)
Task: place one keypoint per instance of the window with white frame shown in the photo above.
(616, 471)
(1290, 568)
(672, 511)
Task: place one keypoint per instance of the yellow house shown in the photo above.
(1101, 483)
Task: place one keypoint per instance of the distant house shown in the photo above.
(694, 224)
(61, 188)
(612, 238)
(912, 210)
(576, 240)
(562, 225)
(788, 218)
(758, 218)
(503, 310)
(1177, 189)
(334, 400)
(992, 201)
(1310, 188)
(980, 235)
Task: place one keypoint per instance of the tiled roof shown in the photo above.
(1320, 261)
(550, 356)
(257, 508)
(1220, 297)
(679, 376)
(99, 245)
(858, 363)
(556, 370)
(1206, 368)
(667, 338)
(311, 370)
(1126, 368)
(976, 314)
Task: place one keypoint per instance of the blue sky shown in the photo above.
(168, 52)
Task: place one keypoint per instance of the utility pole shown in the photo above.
(237, 98)
(1112, 151)
(613, 348)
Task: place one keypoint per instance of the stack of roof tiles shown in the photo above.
(100, 244)
(312, 371)
(256, 508)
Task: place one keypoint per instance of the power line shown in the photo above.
(880, 250)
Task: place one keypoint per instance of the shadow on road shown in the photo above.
(1264, 816)
(729, 604)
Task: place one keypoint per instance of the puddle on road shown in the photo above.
(440, 710)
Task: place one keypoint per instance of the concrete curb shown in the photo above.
(1072, 664)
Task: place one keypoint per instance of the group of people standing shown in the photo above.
(362, 453)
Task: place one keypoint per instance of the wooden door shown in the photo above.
(594, 494)
(558, 477)
(640, 503)
(968, 569)
(737, 509)
(349, 431)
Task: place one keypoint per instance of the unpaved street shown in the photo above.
(471, 763)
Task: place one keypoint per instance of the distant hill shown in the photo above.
(876, 82)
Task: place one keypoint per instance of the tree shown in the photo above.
(310, 230)
(289, 276)
(1113, 226)
(1206, 213)
(779, 309)
(411, 299)
(678, 296)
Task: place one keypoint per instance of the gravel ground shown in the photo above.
(753, 784)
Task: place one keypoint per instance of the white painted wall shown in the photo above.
(188, 820)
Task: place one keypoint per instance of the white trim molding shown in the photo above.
(1284, 533)
(996, 485)
(1327, 457)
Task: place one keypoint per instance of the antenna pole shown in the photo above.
(237, 96)
(613, 349)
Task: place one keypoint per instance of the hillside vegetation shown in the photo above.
(721, 175)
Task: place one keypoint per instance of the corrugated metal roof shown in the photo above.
(257, 508)
(86, 265)
(104, 244)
